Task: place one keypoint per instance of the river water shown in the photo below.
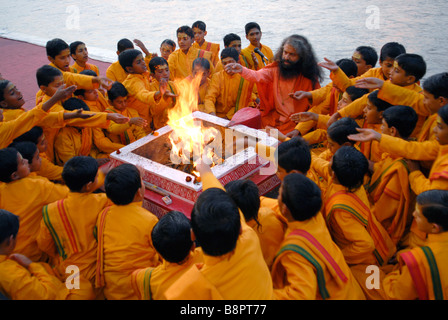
(334, 28)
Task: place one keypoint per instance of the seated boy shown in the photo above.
(171, 237)
(201, 67)
(252, 52)
(67, 230)
(309, 265)
(26, 196)
(227, 93)
(131, 131)
(422, 271)
(75, 141)
(200, 31)
(79, 54)
(181, 61)
(365, 58)
(94, 98)
(29, 152)
(115, 71)
(263, 220)
(124, 234)
(234, 268)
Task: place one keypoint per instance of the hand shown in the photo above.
(328, 64)
(369, 83)
(233, 68)
(412, 165)
(138, 122)
(77, 114)
(335, 117)
(64, 93)
(104, 82)
(293, 133)
(365, 135)
(24, 261)
(254, 57)
(275, 133)
(117, 118)
(304, 116)
(299, 95)
(140, 44)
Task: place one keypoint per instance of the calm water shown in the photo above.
(334, 28)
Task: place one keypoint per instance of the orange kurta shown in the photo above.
(247, 53)
(115, 72)
(76, 68)
(214, 48)
(140, 94)
(181, 64)
(125, 133)
(159, 110)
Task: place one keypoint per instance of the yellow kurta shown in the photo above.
(49, 170)
(115, 72)
(181, 64)
(76, 68)
(342, 82)
(246, 52)
(140, 94)
(214, 48)
(125, 133)
(159, 110)
(99, 105)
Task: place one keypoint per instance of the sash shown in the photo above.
(238, 96)
(99, 279)
(141, 283)
(86, 142)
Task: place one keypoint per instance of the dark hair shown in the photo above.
(169, 42)
(437, 85)
(46, 74)
(26, 148)
(156, 61)
(391, 50)
(8, 163)
(185, 29)
(216, 223)
(9, 225)
(380, 104)
(200, 25)
(294, 154)
(356, 93)
(124, 44)
(3, 84)
(340, 129)
(31, 135)
(443, 113)
(88, 72)
(127, 57)
(434, 205)
(412, 64)
(204, 63)
(246, 195)
(301, 196)
(72, 104)
(122, 184)
(402, 118)
(251, 25)
(228, 38)
(368, 54)
(74, 46)
(55, 46)
(348, 66)
(350, 166)
(117, 90)
(171, 237)
(230, 52)
(79, 171)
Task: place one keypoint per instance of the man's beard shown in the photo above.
(289, 71)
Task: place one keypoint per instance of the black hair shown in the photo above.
(301, 196)
(204, 63)
(8, 163)
(72, 104)
(117, 90)
(122, 184)
(55, 46)
(251, 25)
(340, 129)
(79, 171)
(294, 154)
(187, 30)
(46, 74)
(246, 195)
(434, 206)
(156, 61)
(215, 220)
(402, 118)
(350, 166)
(443, 113)
(171, 237)
(169, 42)
(9, 225)
(88, 72)
(200, 25)
(356, 93)
(391, 50)
(74, 46)
(437, 85)
(348, 66)
(230, 52)
(31, 135)
(368, 54)
(124, 44)
(380, 104)
(3, 84)
(412, 64)
(228, 38)
(127, 57)
(26, 148)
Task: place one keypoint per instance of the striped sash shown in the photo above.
(372, 186)
(99, 281)
(238, 96)
(142, 283)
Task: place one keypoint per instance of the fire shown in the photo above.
(189, 138)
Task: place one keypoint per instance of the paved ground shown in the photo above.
(19, 62)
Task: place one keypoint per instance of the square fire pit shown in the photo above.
(162, 178)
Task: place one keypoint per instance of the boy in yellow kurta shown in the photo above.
(96, 99)
(232, 40)
(253, 35)
(228, 93)
(201, 67)
(171, 238)
(115, 71)
(79, 53)
(200, 31)
(124, 234)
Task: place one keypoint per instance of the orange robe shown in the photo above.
(181, 64)
(242, 61)
(247, 53)
(310, 266)
(49, 170)
(99, 105)
(76, 68)
(124, 245)
(116, 73)
(214, 48)
(159, 110)
(125, 133)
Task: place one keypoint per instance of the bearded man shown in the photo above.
(294, 69)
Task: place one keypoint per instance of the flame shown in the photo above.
(189, 138)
